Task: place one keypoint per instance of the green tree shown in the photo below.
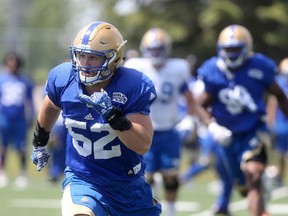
(195, 25)
(45, 29)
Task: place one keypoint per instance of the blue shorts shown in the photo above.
(280, 131)
(127, 199)
(244, 147)
(164, 153)
(58, 151)
(14, 132)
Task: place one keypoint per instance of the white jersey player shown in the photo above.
(170, 77)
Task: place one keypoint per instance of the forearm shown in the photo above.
(204, 115)
(283, 103)
(139, 137)
(135, 131)
(203, 109)
(47, 117)
(48, 114)
(191, 103)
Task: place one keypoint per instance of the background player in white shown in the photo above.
(106, 108)
(236, 82)
(170, 76)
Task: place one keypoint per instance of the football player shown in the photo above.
(105, 108)
(17, 115)
(236, 81)
(209, 155)
(170, 76)
(278, 122)
(57, 150)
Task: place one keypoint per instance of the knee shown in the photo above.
(243, 191)
(254, 180)
(171, 183)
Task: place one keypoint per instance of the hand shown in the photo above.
(100, 101)
(220, 134)
(40, 157)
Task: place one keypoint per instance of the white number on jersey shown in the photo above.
(166, 92)
(13, 94)
(236, 99)
(84, 145)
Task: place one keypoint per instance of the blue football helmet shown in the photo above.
(100, 39)
(234, 45)
(156, 45)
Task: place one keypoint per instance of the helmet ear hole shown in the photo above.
(100, 39)
(117, 61)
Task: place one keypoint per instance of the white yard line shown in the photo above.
(35, 203)
(279, 209)
(181, 206)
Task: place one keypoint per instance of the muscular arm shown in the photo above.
(205, 100)
(47, 117)
(280, 96)
(139, 137)
(191, 102)
(271, 107)
(48, 114)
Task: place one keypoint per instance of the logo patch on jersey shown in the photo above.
(119, 97)
(89, 117)
(255, 73)
(135, 169)
(253, 142)
(84, 199)
(152, 96)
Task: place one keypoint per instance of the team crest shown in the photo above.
(255, 73)
(84, 199)
(119, 97)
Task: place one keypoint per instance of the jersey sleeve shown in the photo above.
(57, 79)
(186, 76)
(203, 74)
(144, 95)
(270, 69)
(138, 88)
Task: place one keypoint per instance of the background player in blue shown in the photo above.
(235, 85)
(278, 122)
(17, 114)
(106, 108)
(57, 149)
(170, 76)
(210, 154)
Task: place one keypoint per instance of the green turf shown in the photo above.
(43, 198)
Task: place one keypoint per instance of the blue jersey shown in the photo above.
(16, 92)
(282, 81)
(280, 127)
(239, 95)
(94, 151)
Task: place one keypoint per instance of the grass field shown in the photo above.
(195, 198)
